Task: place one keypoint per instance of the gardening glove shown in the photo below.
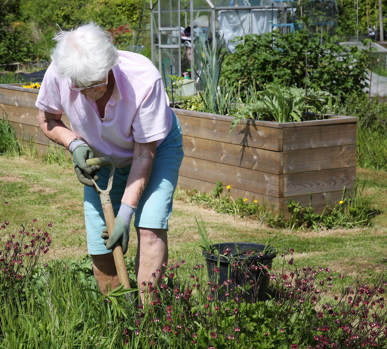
(120, 234)
(81, 152)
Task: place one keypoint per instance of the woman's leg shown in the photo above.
(105, 272)
(152, 254)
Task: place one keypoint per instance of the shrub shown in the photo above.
(298, 59)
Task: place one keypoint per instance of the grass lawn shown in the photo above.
(51, 193)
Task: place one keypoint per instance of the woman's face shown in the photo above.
(94, 93)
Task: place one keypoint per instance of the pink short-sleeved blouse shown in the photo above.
(138, 110)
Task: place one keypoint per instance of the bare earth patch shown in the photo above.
(40, 189)
(10, 179)
(66, 252)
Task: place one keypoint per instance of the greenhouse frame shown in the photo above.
(177, 24)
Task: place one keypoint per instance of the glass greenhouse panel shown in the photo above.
(249, 3)
(170, 63)
(169, 13)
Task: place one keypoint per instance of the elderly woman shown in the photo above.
(117, 107)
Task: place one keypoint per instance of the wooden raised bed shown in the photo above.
(17, 105)
(311, 162)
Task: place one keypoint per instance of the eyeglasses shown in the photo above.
(79, 89)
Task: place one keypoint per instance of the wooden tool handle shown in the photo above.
(117, 251)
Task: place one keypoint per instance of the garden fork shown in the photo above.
(108, 212)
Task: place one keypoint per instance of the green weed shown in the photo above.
(9, 78)
(371, 149)
(8, 142)
(57, 155)
(353, 210)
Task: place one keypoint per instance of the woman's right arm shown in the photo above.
(53, 127)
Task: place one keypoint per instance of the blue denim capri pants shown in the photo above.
(155, 205)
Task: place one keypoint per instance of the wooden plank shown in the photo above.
(239, 178)
(316, 159)
(319, 136)
(22, 115)
(219, 130)
(25, 115)
(306, 183)
(270, 202)
(17, 96)
(232, 154)
(29, 133)
(330, 119)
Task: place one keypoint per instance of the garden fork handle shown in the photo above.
(108, 213)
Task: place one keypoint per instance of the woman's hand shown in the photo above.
(121, 228)
(82, 152)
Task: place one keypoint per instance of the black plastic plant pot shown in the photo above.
(239, 269)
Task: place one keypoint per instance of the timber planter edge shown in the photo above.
(312, 162)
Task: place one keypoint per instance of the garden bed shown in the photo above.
(17, 105)
(312, 162)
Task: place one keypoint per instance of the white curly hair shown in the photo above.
(85, 54)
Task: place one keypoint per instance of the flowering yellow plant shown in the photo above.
(32, 85)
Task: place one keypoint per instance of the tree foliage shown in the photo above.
(27, 27)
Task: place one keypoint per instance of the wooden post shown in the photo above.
(381, 36)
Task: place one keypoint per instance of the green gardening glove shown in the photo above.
(120, 234)
(82, 152)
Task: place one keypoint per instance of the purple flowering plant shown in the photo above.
(20, 250)
(301, 310)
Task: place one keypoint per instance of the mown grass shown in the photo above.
(51, 193)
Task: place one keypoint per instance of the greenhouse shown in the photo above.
(176, 25)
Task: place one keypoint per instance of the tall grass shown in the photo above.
(10, 78)
(62, 308)
(371, 149)
(8, 142)
(57, 155)
(372, 129)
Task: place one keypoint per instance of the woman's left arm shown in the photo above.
(143, 157)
